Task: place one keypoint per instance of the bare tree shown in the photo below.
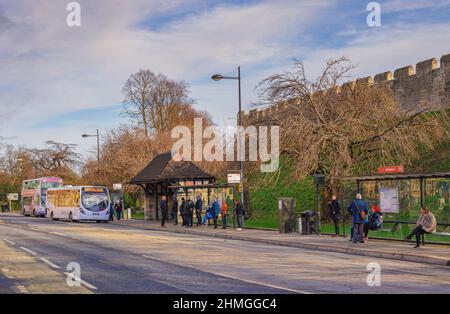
(349, 129)
(154, 101)
(55, 156)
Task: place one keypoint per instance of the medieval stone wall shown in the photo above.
(426, 84)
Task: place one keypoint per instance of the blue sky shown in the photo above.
(58, 82)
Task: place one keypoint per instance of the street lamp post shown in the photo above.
(98, 144)
(219, 77)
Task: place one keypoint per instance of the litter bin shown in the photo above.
(309, 222)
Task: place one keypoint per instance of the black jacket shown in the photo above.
(163, 206)
(175, 206)
(239, 209)
(189, 207)
(334, 208)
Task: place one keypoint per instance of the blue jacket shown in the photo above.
(352, 209)
(215, 208)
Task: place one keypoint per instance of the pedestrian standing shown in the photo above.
(118, 209)
(175, 210)
(111, 212)
(224, 213)
(239, 210)
(198, 209)
(189, 209)
(358, 210)
(164, 210)
(426, 224)
(215, 210)
(182, 211)
(334, 209)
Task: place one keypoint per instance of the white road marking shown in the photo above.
(57, 233)
(22, 289)
(248, 281)
(10, 242)
(27, 250)
(5, 272)
(87, 284)
(262, 283)
(49, 263)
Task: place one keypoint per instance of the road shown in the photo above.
(35, 253)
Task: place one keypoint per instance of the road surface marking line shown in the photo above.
(262, 283)
(87, 284)
(248, 281)
(22, 289)
(57, 233)
(27, 250)
(49, 263)
(5, 272)
(10, 242)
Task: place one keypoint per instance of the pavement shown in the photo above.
(35, 255)
(404, 251)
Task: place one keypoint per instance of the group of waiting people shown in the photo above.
(187, 208)
(365, 220)
(116, 209)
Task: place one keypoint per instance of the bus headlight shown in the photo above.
(82, 211)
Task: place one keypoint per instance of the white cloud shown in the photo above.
(48, 69)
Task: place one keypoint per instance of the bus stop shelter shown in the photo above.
(163, 172)
(400, 196)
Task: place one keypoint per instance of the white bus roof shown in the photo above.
(77, 187)
(40, 178)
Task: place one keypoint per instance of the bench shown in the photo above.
(446, 225)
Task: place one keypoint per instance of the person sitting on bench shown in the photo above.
(426, 224)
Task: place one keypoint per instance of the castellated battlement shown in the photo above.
(428, 83)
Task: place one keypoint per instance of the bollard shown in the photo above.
(129, 213)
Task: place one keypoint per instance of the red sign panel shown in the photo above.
(391, 169)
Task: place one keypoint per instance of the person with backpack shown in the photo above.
(198, 209)
(358, 210)
(376, 219)
(334, 209)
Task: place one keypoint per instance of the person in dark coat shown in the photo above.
(189, 209)
(183, 211)
(358, 209)
(111, 212)
(334, 209)
(175, 210)
(164, 210)
(198, 209)
(118, 209)
(239, 210)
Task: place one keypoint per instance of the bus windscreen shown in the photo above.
(94, 199)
